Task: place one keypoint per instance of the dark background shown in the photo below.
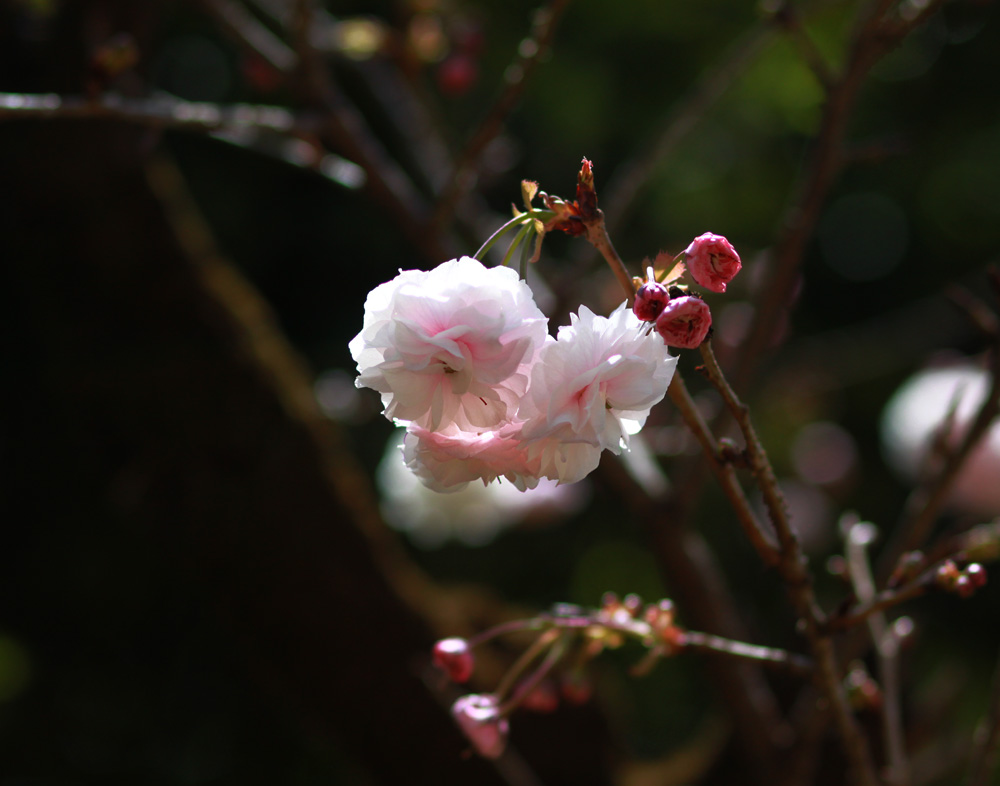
(195, 584)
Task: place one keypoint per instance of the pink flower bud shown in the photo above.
(976, 574)
(478, 716)
(650, 299)
(685, 322)
(454, 658)
(712, 261)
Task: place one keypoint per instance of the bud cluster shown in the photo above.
(552, 667)
(863, 692)
(682, 318)
(962, 581)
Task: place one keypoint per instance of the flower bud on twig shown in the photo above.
(454, 657)
(712, 261)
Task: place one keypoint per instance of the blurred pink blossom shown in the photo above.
(945, 399)
(594, 386)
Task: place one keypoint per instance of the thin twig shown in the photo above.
(788, 17)
(871, 41)
(629, 180)
(986, 741)
(244, 26)
(768, 656)
(531, 51)
(344, 127)
(858, 536)
(880, 602)
(598, 237)
(760, 465)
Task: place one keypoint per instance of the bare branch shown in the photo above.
(530, 53)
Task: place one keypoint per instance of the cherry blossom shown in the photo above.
(449, 459)
(450, 346)
(592, 387)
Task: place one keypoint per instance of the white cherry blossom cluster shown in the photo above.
(462, 357)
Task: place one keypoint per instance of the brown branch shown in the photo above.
(798, 582)
(724, 472)
(343, 127)
(598, 237)
(628, 182)
(530, 53)
(789, 18)
(873, 38)
(791, 563)
(884, 600)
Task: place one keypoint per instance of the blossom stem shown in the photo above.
(540, 644)
(598, 237)
(518, 239)
(515, 626)
(522, 218)
(552, 657)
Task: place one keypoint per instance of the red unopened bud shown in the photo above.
(684, 322)
(478, 716)
(976, 574)
(963, 586)
(712, 261)
(454, 658)
(650, 300)
(947, 575)
(863, 692)
(457, 75)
